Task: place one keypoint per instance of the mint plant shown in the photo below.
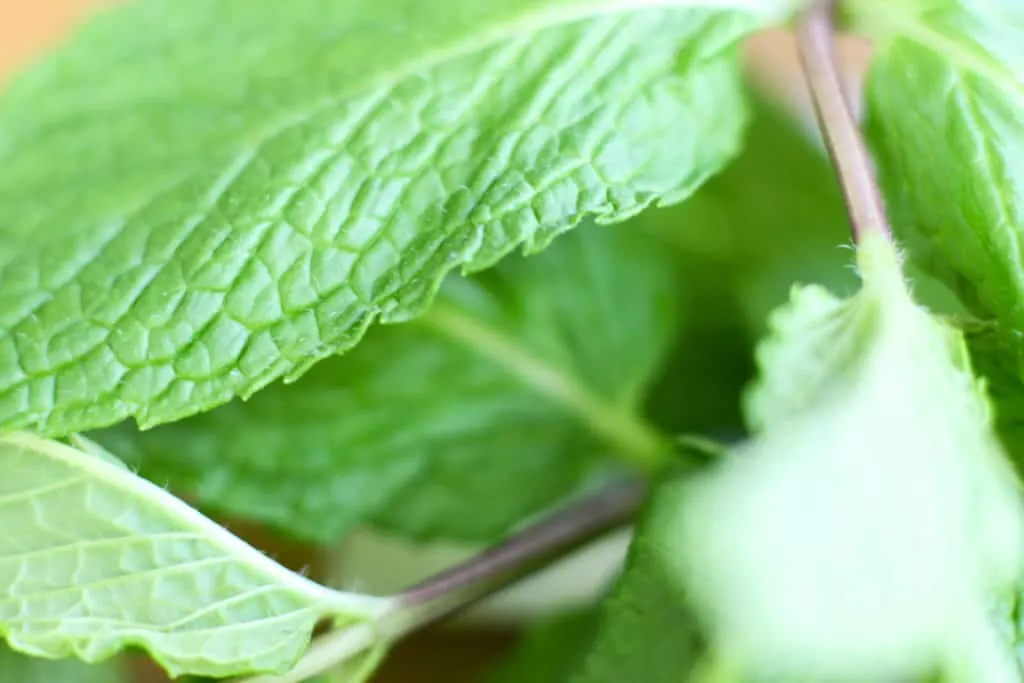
(495, 273)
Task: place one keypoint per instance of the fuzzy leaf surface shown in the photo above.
(867, 529)
(498, 402)
(94, 559)
(198, 198)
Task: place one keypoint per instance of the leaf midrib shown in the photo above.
(633, 438)
(96, 469)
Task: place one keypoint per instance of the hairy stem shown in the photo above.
(519, 556)
(816, 41)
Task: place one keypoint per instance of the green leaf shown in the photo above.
(490, 407)
(197, 200)
(945, 105)
(647, 631)
(998, 355)
(548, 652)
(865, 531)
(17, 668)
(94, 559)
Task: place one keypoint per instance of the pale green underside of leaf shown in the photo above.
(94, 559)
(18, 668)
(868, 527)
(199, 197)
(945, 105)
(497, 403)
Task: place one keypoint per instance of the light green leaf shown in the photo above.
(198, 199)
(871, 523)
(459, 424)
(647, 632)
(945, 105)
(18, 668)
(94, 559)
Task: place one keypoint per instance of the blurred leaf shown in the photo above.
(550, 651)
(865, 531)
(18, 668)
(647, 632)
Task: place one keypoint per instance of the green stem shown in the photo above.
(629, 434)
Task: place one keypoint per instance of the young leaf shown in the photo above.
(945, 105)
(647, 632)
(17, 668)
(460, 424)
(94, 559)
(869, 526)
(197, 200)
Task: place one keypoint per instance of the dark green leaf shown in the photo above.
(647, 632)
(550, 651)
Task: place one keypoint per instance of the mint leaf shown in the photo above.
(647, 632)
(94, 559)
(997, 353)
(549, 652)
(253, 185)
(871, 523)
(498, 402)
(945, 104)
(17, 668)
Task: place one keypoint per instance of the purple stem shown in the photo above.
(816, 41)
(521, 554)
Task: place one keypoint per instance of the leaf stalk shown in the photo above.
(816, 42)
(519, 556)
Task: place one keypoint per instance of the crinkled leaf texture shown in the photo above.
(18, 668)
(495, 404)
(199, 197)
(945, 106)
(94, 559)
(872, 522)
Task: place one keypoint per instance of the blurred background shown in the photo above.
(457, 652)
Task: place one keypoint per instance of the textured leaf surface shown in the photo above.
(18, 668)
(253, 184)
(94, 559)
(946, 118)
(869, 526)
(459, 424)
(647, 632)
